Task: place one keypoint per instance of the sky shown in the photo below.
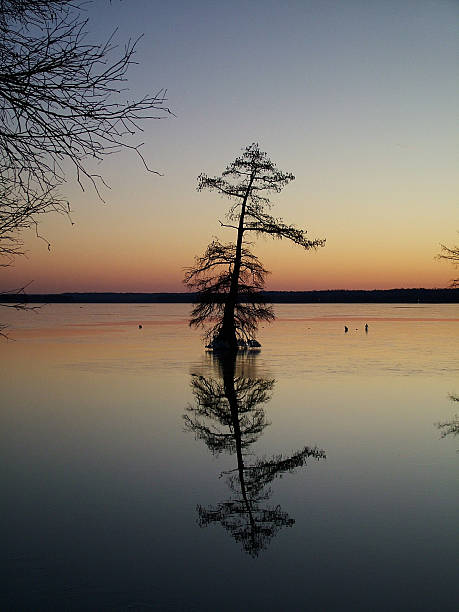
(357, 99)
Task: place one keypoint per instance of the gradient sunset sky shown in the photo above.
(358, 99)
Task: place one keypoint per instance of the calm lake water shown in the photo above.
(140, 473)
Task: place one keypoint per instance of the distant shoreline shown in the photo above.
(332, 296)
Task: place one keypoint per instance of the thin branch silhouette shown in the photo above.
(64, 103)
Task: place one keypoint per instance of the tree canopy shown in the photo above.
(211, 278)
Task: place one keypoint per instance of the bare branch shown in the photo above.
(62, 99)
(450, 254)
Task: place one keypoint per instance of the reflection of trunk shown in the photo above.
(228, 330)
(229, 368)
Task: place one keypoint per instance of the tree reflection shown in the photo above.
(451, 427)
(228, 416)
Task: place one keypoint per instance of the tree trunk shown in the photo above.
(229, 370)
(227, 333)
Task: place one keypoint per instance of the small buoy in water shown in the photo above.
(366, 328)
(346, 329)
(140, 327)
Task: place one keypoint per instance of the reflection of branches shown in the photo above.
(264, 471)
(260, 526)
(451, 427)
(227, 415)
(213, 405)
(244, 517)
(14, 306)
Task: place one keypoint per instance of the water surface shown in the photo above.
(139, 472)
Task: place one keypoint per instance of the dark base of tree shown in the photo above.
(223, 345)
(224, 348)
(228, 344)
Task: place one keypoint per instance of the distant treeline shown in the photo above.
(376, 296)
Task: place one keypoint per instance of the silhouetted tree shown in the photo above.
(228, 417)
(62, 101)
(247, 182)
(451, 254)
